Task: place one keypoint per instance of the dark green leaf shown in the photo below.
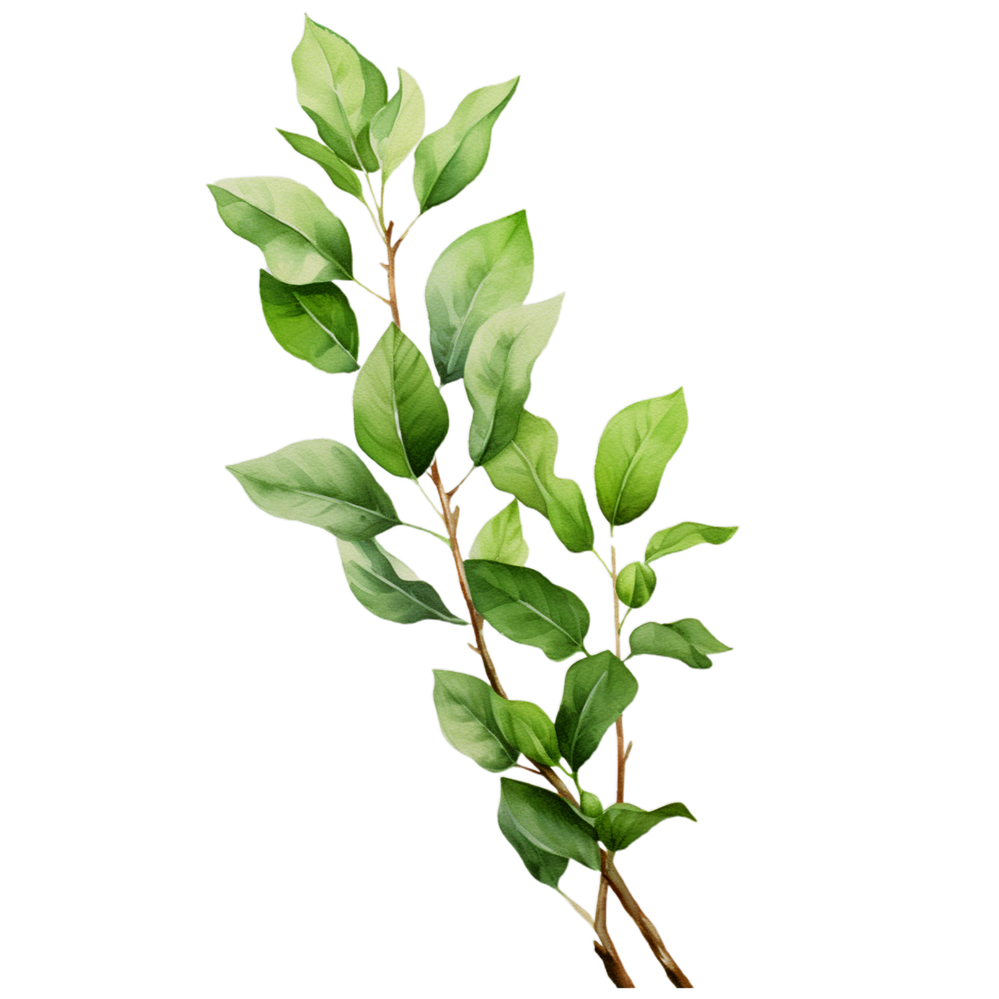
(322, 483)
(335, 168)
(449, 159)
(465, 711)
(487, 270)
(498, 373)
(635, 584)
(634, 449)
(302, 240)
(544, 866)
(687, 640)
(527, 727)
(398, 126)
(685, 535)
(400, 418)
(341, 91)
(501, 539)
(526, 469)
(549, 822)
(621, 824)
(528, 608)
(590, 805)
(597, 690)
(312, 321)
(389, 588)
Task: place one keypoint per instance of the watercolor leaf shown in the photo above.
(526, 726)
(636, 583)
(501, 538)
(397, 127)
(465, 711)
(543, 866)
(687, 640)
(683, 536)
(621, 823)
(335, 168)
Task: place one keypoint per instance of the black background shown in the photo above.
(344, 799)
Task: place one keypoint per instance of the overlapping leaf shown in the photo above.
(335, 168)
(449, 159)
(621, 823)
(526, 726)
(313, 322)
(465, 711)
(389, 588)
(400, 417)
(526, 469)
(636, 583)
(549, 822)
(597, 690)
(501, 538)
(487, 270)
(687, 640)
(498, 373)
(302, 240)
(319, 482)
(341, 91)
(528, 608)
(397, 127)
(633, 452)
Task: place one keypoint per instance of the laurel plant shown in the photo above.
(483, 332)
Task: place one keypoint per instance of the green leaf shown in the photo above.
(487, 270)
(590, 805)
(687, 640)
(635, 584)
(335, 168)
(498, 372)
(465, 710)
(528, 608)
(685, 535)
(633, 452)
(389, 588)
(501, 538)
(400, 417)
(340, 90)
(319, 482)
(449, 159)
(398, 126)
(544, 866)
(527, 727)
(311, 321)
(549, 822)
(526, 469)
(597, 690)
(621, 824)
(302, 240)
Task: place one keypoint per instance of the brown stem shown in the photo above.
(390, 267)
(648, 929)
(606, 949)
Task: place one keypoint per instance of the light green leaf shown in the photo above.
(528, 608)
(590, 805)
(319, 482)
(389, 588)
(685, 535)
(465, 710)
(687, 640)
(633, 452)
(449, 159)
(549, 822)
(498, 372)
(544, 866)
(526, 469)
(597, 690)
(398, 126)
(340, 90)
(621, 824)
(313, 322)
(302, 240)
(635, 584)
(487, 270)
(501, 538)
(335, 168)
(400, 418)
(527, 727)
